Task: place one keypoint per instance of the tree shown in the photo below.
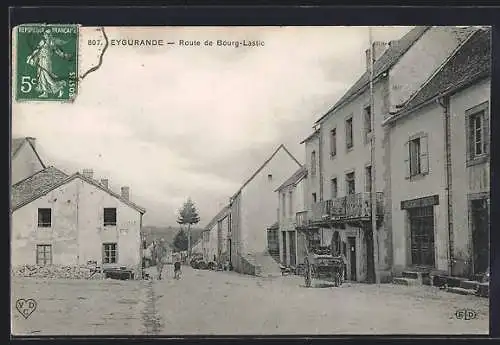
(188, 215)
(181, 241)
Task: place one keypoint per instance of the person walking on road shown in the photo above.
(177, 268)
(161, 256)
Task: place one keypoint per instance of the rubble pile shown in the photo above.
(56, 272)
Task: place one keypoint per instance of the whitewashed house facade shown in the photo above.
(71, 220)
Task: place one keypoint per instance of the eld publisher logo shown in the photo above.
(465, 314)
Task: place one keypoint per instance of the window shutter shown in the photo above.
(470, 137)
(486, 131)
(424, 155)
(407, 159)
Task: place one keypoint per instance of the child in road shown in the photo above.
(177, 268)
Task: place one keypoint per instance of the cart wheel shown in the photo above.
(337, 280)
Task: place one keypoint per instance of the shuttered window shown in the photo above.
(313, 163)
(333, 142)
(477, 129)
(417, 156)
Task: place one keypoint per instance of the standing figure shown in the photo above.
(177, 268)
(160, 256)
(41, 58)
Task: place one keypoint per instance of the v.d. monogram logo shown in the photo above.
(26, 306)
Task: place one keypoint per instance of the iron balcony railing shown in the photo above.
(352, 206)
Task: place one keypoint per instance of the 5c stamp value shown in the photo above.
(47, 62)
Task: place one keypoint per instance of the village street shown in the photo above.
(226, 303)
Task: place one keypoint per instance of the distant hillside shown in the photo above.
(168, 233)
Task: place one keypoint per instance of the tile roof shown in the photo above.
(296, 177)
(392, 55)
(312, 135)
(37, 184)
(50, 178)
(470, 62)
(276, 225)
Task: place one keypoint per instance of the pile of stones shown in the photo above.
(56, 272)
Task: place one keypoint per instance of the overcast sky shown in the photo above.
(177, 122)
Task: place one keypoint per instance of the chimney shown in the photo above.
(379, 49)
(104, 182)
(88, 173)
(125, 192)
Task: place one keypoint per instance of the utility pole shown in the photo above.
(373, 190)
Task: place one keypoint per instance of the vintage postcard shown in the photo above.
(170, 181)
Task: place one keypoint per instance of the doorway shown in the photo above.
(351, 241)
(480, 235)
(422, 236)
(293, 261)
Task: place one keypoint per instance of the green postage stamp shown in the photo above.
(47, 62)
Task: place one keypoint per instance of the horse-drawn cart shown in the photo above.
(324, 266)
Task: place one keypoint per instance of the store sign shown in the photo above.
(420, 202)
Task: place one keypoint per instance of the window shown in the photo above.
(368, 176)
(43, 254)
(290, 204)
(110, 254)
(44, 217)
(270, 177)
(477, 132)
(348, 133)
(110, 216)
(333, 142)
(314, 197)
(417, 162)
(313, 163)
(367, 122)
(334, 188)
(350, 184)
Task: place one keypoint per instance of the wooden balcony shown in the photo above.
(354, 206)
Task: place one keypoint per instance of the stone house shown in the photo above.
(71, 220)
(252, 208)
(291, 195)
(439, 153)
(342, 211)
(25, 160)
(215, 237)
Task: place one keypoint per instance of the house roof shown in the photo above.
(471, 62)
(44, 181)
(388, 59)
(312, 135)
(276, 225)
(36, 185)
(295, 178)
(222, 213)
(281, 147)
(391, 56)
(17, 143)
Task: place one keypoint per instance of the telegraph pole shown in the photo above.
(373, 190)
